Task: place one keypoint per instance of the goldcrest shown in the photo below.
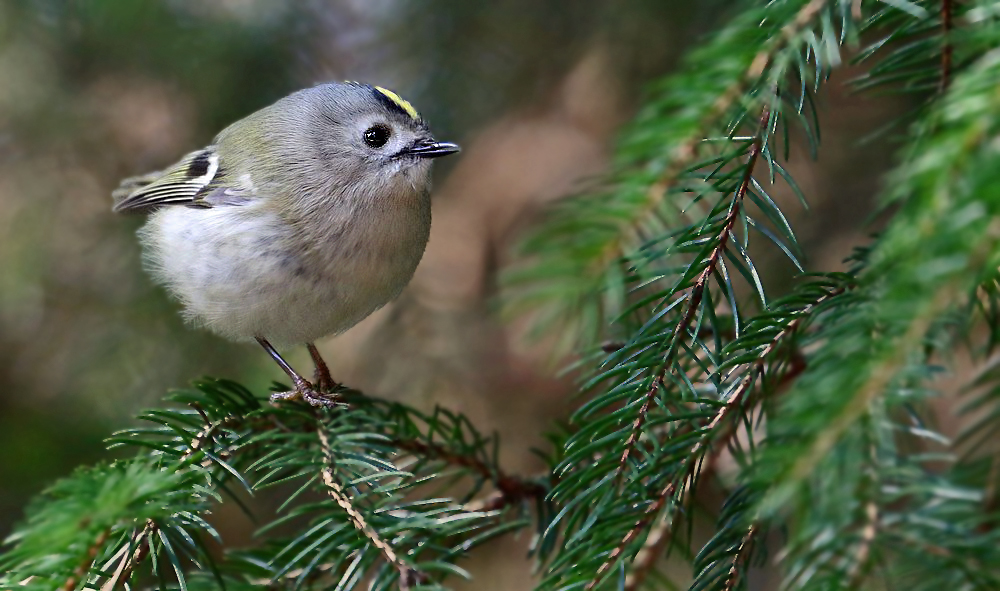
(296, 223)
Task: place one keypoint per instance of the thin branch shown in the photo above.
(734, 401)
(656, 541)
(741, 558)
(124, 571)
(694, 300)
(408, 576)
(511, 488)
(652, 548)
(207, 432)
(947, 50)
(759, 364)
(81, 571)
(860, 567)
(687, 151)
(697, 292)
(647, 517)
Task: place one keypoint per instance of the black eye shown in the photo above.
(377, 135)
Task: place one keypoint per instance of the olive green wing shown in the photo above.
(186, 183)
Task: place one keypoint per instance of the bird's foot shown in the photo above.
(321, 376)
(325, 396)
(324, 383)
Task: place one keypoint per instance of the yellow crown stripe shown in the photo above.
(400, 101)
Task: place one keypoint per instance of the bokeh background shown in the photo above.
(535, 91)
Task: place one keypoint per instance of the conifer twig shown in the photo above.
(653, 547)
(81, 571)
(687, 151)
(860, 567)
(741, 557)
(734, 400)
(206, 433)
(407, 574)
(697, 291)
(124, 571)
(694, 300)
(510, 488)
(758, 366)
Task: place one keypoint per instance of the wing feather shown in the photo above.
(181, 184)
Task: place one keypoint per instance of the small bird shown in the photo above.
(297, 222)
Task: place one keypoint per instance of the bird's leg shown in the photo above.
(321, 376)
(303, 389)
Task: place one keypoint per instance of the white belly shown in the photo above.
(243, 272)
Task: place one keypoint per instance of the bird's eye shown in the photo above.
(377, 135)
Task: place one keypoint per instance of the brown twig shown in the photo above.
(408, 576)
(734, 401)
(124, 571)
(741, 557)
(653, 547)
(206, 433)
(947, 50)
(659, 536)
(694, 300)
(687, 151)
(860, 567)
(697, 291)
(681, 158)
(81, 571)
(128, 564)
(511, 489)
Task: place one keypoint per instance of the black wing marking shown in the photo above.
(181, 184)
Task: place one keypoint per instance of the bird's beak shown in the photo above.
(431, 149)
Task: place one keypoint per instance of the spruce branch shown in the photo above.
(510, 488)
(656, 543)
(694, 299)
(407, 574)
(737, 398)
(81, 571)
(687, 151)
(861, 555)
(696, 464)
(697, 291)
(591, 248)
(871, 362)
(874, 386)
(131, 560)
(223, 433)
(741, 558)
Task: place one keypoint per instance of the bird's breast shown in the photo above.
(365, 259)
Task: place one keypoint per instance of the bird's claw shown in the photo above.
(305, 391)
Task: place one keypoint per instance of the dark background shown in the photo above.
(535, 92)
